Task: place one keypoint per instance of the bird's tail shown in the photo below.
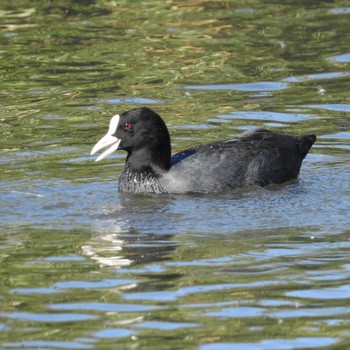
(305, 143)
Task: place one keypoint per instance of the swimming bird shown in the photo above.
(256, 158)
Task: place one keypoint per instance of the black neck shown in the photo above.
(153, 160)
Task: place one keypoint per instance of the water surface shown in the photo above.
(85, 267)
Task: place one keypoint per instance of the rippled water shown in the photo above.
(85, 267)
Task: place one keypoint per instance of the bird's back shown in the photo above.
(256, 158)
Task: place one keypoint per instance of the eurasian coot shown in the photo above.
(258, 157)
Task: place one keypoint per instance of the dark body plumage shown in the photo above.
(256, 158)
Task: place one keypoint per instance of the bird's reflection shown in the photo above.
(132, 231)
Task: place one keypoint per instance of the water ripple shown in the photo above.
(166, 325)
(341, 292)
(257, 86)
(102, 307)
(275, 344)
(133, 100)
(114, 333)
(341, 58)
(267, 116)
(173, 295)
(36, 317)
(331, 107)
(42, 344)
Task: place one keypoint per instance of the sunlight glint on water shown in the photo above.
(85, 267)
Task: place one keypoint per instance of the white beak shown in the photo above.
(108, 140)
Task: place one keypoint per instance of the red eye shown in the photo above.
(127, 126)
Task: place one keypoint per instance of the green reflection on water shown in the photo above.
(242, 281)
(63, 66)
